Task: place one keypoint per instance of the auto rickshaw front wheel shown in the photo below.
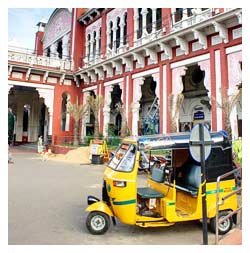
(225, 226)
(97, 222)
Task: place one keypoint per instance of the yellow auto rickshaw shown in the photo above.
(173, 191)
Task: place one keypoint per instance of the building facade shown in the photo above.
(164, 66)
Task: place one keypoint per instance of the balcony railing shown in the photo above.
(195, 18)
(27, 56)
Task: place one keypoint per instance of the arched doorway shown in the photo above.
(149, 108)
(196, 100)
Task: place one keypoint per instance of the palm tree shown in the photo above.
(174, 105)
(124, 127)
(227, 104)
(77, 112)
(95, 103)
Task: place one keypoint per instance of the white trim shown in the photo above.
(28, 84)
(127, 91)
(190, 60)
(90, 88)
(73, 34)
(164, 100)
(113, 82)
(145, 73)
(234, 49)
(218, 92)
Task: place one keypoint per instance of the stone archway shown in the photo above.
(34, 96)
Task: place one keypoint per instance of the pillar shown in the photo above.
(138, 82)
(154, 20)
(144, 21)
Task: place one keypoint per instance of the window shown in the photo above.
(158, 19)
(149, 21)
(125, 30)
(118, 33)
(124, 158)
(139, 32)
(59, 49)
(88, 47)
(111, 35)
(48, 52)
(178, 14)
(94, 45)
(189, 12)
(100, 45)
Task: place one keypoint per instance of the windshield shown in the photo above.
(124, 158)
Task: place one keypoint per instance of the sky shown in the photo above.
(22, 25)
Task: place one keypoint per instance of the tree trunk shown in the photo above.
(124, 125)
(96, 129)
(76, 139)
(228, 128)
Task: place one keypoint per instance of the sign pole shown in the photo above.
(200, 149)
(203, 183)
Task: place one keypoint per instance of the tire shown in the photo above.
(223, 227)
(97, 223)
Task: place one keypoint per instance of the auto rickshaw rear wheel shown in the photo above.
(97, 222)
(225, 226)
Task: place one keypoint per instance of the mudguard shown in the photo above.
(101, 207)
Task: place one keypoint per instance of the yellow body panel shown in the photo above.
(123, 199)
(100, 206)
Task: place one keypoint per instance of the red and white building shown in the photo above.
(137, 56)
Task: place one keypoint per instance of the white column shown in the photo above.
(205, 66)
(164, 100)
(138, 82)
(144, 21)
(122, 24)
(48, 96)
(218, 89)
(156, 78)
(136, 22)
(106, 109)
(91, 57)
(154, 20)
(65, 46)
(50, 123)
(114, 38)
(108, 37)
(97, 51)
(53, 51)
(87, 51)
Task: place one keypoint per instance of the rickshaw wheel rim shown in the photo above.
(224, 225)
(97, 222)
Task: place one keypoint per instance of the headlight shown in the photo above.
(119, 183)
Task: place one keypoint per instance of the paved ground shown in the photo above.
(47, 202)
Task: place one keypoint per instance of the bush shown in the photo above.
(237, 150)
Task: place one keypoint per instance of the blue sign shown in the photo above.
(199, 115)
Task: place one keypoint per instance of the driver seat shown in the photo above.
(158, 175)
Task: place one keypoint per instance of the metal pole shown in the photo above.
(203, 182)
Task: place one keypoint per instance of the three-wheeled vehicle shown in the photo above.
(173, 191)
